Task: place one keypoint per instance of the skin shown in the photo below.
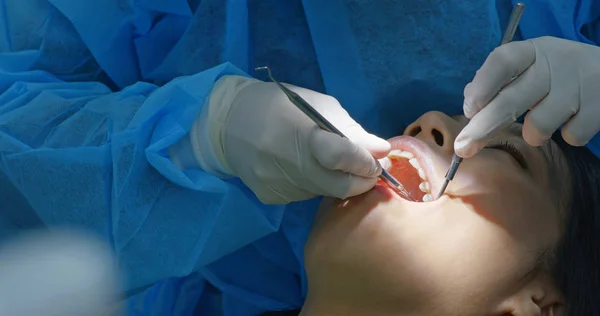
(472, 252)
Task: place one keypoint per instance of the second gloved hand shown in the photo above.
(556, 79)
(257, 134)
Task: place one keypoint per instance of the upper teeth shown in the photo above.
(424, 185)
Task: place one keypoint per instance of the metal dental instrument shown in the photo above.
(509, 33)
(513, 23)
(326, 125)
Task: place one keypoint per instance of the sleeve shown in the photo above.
(127, 38)
(77, 154)
(112, 41)
(156, 41)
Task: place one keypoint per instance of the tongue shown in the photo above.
(404, 172)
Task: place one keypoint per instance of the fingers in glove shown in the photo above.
(339, 184)
(341, 154)
(584, 125)
(376, 146)
(318, 181)
(516, 98)
(502, 65)
(547, 117)
(331, 109)
(282, 194)
(581, 128)
(282, 191)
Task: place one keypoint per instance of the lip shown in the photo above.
(423, 153)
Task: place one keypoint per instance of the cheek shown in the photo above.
(349, 224)
(354, 251)
(375, 245)
(465, 251)
(467, 258)
(501, 195)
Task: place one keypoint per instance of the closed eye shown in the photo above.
(513, 151)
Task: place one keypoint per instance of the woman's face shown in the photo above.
(478, 250)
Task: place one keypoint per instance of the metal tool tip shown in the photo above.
(268, 72)
(443, 189)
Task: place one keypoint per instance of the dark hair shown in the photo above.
(577, 258)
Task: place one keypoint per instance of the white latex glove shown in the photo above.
(254, 132)
(559, 80)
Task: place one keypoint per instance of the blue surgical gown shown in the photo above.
(92, 93)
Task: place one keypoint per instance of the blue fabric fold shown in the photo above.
(93, 92)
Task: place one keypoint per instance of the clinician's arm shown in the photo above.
(80, 154)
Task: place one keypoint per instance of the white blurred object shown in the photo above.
(49, 273)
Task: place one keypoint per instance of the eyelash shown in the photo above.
(511, 150)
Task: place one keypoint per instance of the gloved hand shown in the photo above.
(557, 79)
(257, 134)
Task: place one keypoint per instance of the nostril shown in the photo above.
(415, 131)
(439, 138)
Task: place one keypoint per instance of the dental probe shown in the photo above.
(513, 23)
(326, 125)
(509, 33)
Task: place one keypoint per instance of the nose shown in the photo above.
(437, 129)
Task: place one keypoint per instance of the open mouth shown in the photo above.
(406, 168)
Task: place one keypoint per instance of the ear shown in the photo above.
(539, 297)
